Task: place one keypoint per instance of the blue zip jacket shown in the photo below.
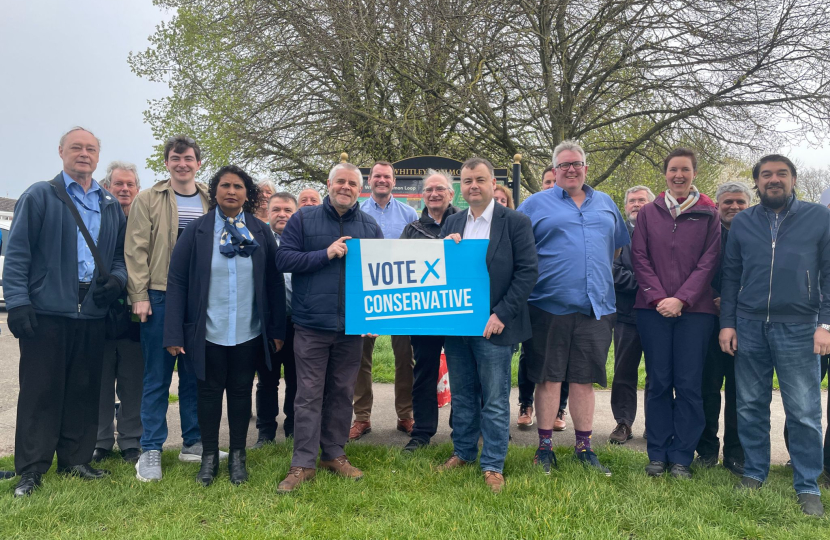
(318, 298)
(41, 265)
(777, 281)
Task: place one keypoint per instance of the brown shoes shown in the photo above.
(296, 476)
(559, 424)
(453, 463)
(342, 467)
(494, 480)
(622, 434)
(406, 425)
(359, 429)
(525, 420)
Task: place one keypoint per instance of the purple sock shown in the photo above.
(583, 441)
(545, 436)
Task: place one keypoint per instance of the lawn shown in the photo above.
(403, 497)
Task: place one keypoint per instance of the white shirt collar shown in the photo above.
(487, 215)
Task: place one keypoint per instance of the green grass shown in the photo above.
(383, 366)
(403, 497)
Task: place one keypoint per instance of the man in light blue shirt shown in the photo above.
(578, 233)
(88, 205)
(392, 216)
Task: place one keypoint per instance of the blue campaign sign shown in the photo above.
(417, 287)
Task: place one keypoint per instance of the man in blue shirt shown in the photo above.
(392, 216)
(578, 233)
(57, 300)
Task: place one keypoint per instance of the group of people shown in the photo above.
(232, 280)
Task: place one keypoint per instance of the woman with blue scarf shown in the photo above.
(225, 309)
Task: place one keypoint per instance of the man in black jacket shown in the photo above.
(438, 193)
(627, 348)
(731, 198)
(773, 317)
(479, 366)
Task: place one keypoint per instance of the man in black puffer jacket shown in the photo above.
(438, 194)
(327, 360)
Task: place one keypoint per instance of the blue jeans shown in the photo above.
(788, 348)
(158, 373)
(479, 371)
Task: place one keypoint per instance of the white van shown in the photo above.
(4, 235)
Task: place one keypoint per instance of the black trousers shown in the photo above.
(716, 367)
(825, 363)
(60, 384)
(527, 387)
(231, 370)
(627, 354)
(267, 389)
(427, 353)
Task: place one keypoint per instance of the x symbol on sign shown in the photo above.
(430, 270)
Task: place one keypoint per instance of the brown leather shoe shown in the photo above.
(342, 467)
(359, 429)
(622, 434)
(559, 424)
(494, 480)
(406, 425)
(296, 476)
(525, 416)
(452, 463)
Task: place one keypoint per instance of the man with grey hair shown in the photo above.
(437, 194)
(627, 348)
(57, 296)
(122, 181)
(123, 368)
(731, 198)
(312, 249)
(572, 306)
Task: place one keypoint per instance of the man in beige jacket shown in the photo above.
(157, 218)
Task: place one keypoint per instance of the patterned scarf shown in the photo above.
(677, 208)
(236, 239)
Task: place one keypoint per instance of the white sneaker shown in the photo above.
(193, 453)
(148, 468)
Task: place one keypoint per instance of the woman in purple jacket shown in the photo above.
(675, 251)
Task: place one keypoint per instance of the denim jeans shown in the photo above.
(158, 373)
(787, 348)
(479, 372)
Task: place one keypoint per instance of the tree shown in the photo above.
(812, 182)
(286, 85)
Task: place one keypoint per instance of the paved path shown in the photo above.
(383, 419)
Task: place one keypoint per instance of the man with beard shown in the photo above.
(773, 318)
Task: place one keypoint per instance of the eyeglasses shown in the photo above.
(577, 165)
(438, 189)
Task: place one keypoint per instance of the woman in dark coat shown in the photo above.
(225, 309)
(675, 252)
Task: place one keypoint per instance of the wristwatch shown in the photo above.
(825, 326)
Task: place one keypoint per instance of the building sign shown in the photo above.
(410, 172)
(417, 287)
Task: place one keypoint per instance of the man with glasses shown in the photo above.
(437, 193)
(392, 216)
(157, 218)
(578, 233)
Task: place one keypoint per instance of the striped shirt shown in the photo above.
(189, 208)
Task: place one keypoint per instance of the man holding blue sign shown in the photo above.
(479, 365)
(312, 248)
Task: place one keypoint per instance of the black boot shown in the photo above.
(29, 481)
(236, 467)
(209, 468)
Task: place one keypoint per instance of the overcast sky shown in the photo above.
(65, 64)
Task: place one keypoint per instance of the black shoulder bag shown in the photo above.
(117, 319)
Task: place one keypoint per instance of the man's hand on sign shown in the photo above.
(338, 248)
(142, 309)
(454, 236)
(494, 326)
(373, 336)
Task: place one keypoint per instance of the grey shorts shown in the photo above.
(571, 347)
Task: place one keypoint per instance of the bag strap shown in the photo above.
(63, 195)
